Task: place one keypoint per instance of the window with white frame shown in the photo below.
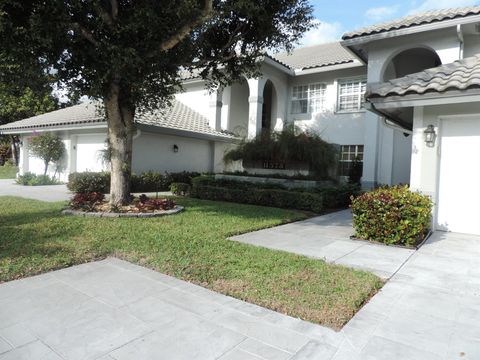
(308, 98)
(350, 94)
(348, 154)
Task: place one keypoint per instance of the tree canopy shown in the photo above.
(130, 54)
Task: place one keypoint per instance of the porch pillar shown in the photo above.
(216, 109)
(23, 163)
(255, 101)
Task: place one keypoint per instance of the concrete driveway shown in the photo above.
(51, 193)
(327, 237)
(429, 309)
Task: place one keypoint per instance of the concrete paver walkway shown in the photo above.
(328, 237)
(113, 310)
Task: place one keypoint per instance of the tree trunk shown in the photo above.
(120, 114)
(15, 152)
(46, 168)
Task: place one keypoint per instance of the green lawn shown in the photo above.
(35, 238)
(8, 172)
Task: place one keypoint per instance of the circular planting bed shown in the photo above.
(95, 205)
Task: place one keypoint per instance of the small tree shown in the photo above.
(47, 147)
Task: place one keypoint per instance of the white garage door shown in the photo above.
(459, 186)
(89, 153)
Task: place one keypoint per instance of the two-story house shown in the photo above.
(403, 96)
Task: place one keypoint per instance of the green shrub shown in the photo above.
(206, 187)
(392, 215)
(148, 182)
(180, 177)
(288, 146)
(181, 189)
(89, 182)
(30, 179)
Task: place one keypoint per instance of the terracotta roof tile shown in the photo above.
(414, 20)
(460, 75)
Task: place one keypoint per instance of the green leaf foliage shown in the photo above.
(143, 46)
(288, 146)
(392, 215)
(48, 147)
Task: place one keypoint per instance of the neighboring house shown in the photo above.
(417, 71)
(172, 140)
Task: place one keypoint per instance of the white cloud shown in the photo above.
(428, 5)
(381, 13)
(323, 33)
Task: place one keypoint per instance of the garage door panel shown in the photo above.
(89, 153)
(459, 183)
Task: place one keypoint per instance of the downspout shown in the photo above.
(137, 134)
(461, 40)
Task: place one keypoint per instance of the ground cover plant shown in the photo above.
(392, 215)
(193, 246)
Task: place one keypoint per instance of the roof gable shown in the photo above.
(414, 20)
(316, 56)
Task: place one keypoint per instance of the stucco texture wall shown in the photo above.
(155, 152)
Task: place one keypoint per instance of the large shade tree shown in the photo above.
(130, 53)
(25, 90)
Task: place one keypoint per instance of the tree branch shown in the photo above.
(114, 5)
(86, 34)
(185, 30)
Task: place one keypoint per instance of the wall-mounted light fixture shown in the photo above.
(175, 148)
(430, 136)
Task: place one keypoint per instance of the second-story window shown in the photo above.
(350, 94)
(308, 98)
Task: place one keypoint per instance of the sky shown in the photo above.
(339, 16)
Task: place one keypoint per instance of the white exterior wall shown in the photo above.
(154, 152)
(471, 45)
(425, 160)
(151, 152)
(196, 97)
(343, 128)
(387, 154)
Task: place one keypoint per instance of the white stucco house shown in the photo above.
(374, 93)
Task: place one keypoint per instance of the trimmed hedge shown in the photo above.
(88, 182)
(206, 187)
(392, 215)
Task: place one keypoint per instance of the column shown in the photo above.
(216, 109)
(23, 163)
(255, 108)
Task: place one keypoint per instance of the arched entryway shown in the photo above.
(410, 61)
(269, 108)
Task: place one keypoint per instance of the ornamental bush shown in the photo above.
(31, 179)
(181, 189)
(392, 215)
(88, 182)
(288, 146)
